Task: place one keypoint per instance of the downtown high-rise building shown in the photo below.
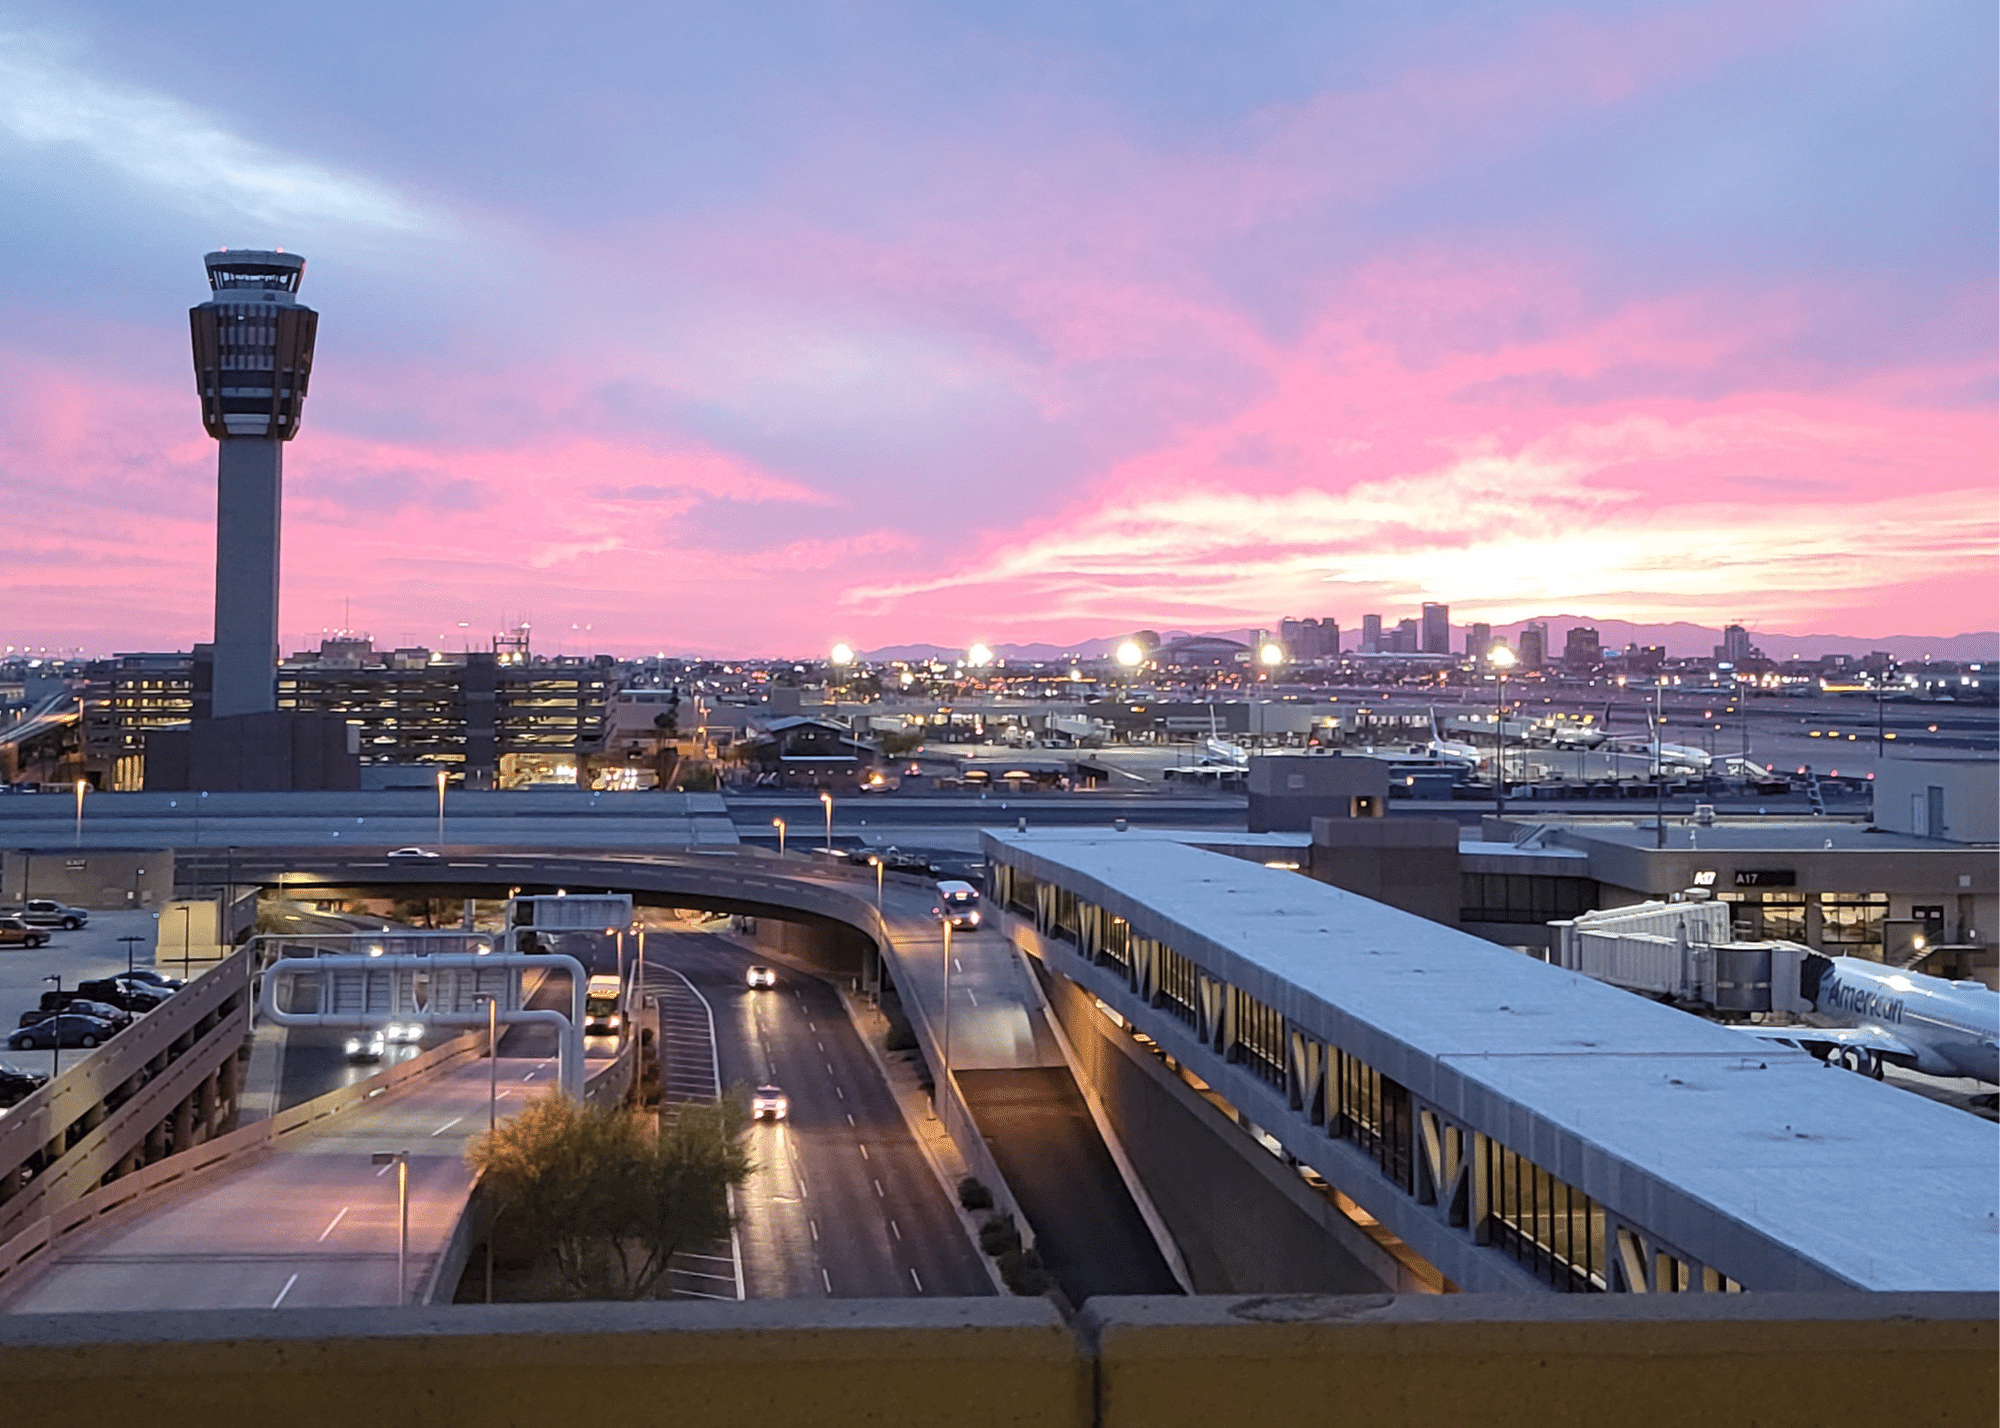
(1371, 634)
(1479, 642)
(1436, 628)
(1531, 646)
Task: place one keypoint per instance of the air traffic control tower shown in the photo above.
(253, 351)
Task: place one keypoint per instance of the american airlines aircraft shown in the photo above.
(1871, 1013)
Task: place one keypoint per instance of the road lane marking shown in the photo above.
(811, 1025)
(957, 966)
(829, 1068)
(864, 1152)
(336, 1220)
(529, 1077)
(840, 1093)
(916, 1281)
(813, 1225)
(820, 1044)
(288, 1285)
(971, 996)
(446, 1126)
(385, 1170)
(850, 1117)
(896, 1230)
(878, 1191)
(827, 1280)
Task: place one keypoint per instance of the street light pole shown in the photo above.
(55, 1033)
(826, 801)
(1502, 659)
(130, 942)
(401, 1160)
(779, 824)
(81, 785)
(947, 1001)
(492, 1057)
(440, 783)
(877, 862)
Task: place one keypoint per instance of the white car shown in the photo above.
(769, 1104)
(761, 977)
(403, 1033)
(368, 1046)
(413, 853)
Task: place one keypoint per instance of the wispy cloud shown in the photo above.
(189, 158)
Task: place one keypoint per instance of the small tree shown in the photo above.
(607, 1202)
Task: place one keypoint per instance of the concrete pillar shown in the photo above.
(249, 484)
(207, 1093)
(184, 1124)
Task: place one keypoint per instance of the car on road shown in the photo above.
(70, 1028)
(367, 1046)
(759, 977)
(413, 854)
(770, 1104)
(601, 995)
(403, 1033)
(45, 912)
(16, 933)
(17, 1085)
(158, 979)
(957, 904)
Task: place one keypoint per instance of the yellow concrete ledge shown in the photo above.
(1497, 1360)
(1770, 1360)
(772, 1364)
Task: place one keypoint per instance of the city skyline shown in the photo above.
(1654, 314)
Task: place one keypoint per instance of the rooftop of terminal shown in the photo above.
(1673, 1121)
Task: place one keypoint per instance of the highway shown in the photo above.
(843, 1203)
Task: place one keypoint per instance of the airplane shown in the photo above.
(1453, 751)
(1872, 1014)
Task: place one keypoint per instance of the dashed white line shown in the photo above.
(850, 1118)
(916, 1281)
(878, 1191)
(813, 1225)
(288, 1287)
(840, 1093)
(334, 1221)
(829, 1068)
(971, 996)
(447, 1126)
(896, 1230)
(864, 1152)
(956, 965)
(827, 1280)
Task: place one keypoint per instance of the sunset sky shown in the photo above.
(747, 328)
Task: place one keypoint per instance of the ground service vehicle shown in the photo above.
(601, 995)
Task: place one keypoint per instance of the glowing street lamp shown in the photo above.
(826, 801)
(979, 656)
(1271, 655)
(82, 785)
(440, 783)
(1502, 660)
(842, 654)
(876, 863)
(779, 824)
(1131, 654)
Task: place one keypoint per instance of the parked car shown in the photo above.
(16, 933)
(158, 979)
(71, 1028)
(53, 1002)
(17, 1085)
(126, 996)
(44, 912)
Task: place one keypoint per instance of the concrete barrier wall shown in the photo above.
(1775, 1360)
(1237, 1229)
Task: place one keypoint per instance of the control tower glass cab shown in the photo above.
(253, 351)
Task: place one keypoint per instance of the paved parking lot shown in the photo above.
(89, 952)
